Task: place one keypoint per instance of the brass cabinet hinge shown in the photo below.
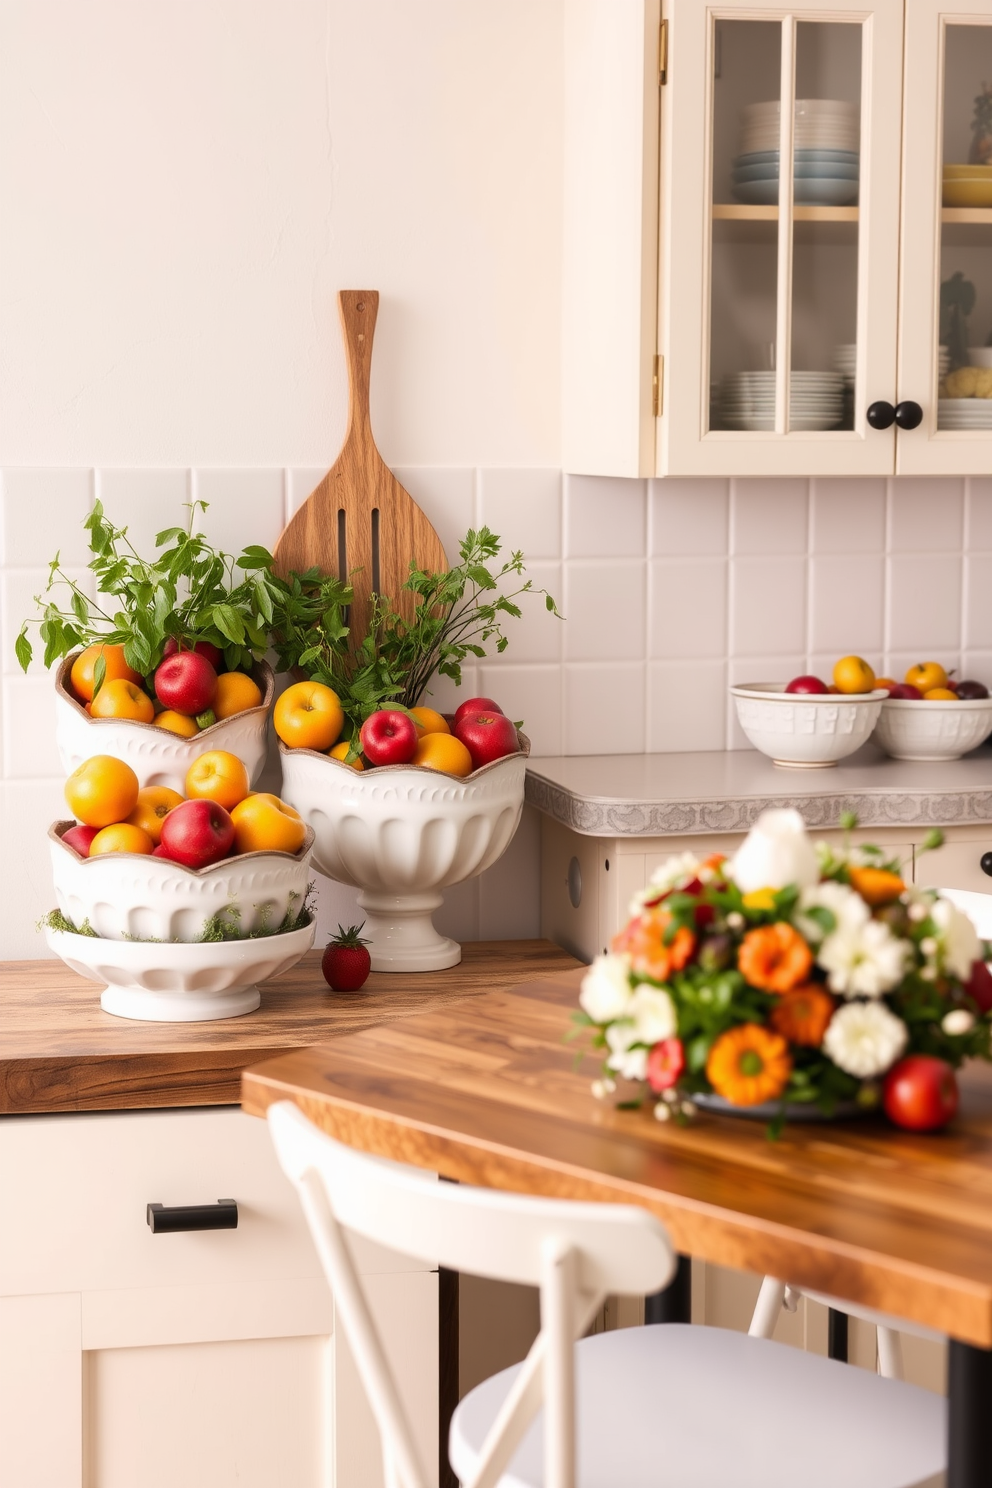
(663, 54)
(656, 389)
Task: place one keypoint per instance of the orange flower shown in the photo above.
(876, 885)
(748, 1065)
(774, 957)
(802, 1015)
(643, 940)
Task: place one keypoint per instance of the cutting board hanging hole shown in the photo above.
(376, 589)
(342, 545)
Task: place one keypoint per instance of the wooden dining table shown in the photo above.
(487, 1091)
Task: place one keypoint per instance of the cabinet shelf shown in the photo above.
(977, 216)
(735, 212)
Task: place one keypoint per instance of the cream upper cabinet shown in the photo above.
(725, 316)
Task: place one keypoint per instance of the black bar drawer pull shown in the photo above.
(169, 1219)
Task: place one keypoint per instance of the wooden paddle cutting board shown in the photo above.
(360, 523)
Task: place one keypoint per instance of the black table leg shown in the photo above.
(837, 1335)
(674, 1304)
(969, 1418)
(447, 1317)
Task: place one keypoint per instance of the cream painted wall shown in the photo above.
(185, 185)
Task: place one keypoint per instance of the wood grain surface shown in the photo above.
(358, 490)
(488, 1093)
(59, 1051)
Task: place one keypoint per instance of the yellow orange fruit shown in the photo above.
(443, 752)
(940, 695)
(308, 715)
(235, 693)
(340, 752)
(218, 776)
(429, 722)
(264, 823)
(81, 675)
(926, 675)
(885, 682)
(177, 723)
(120, 699)
(101, 790)
(152, 807)
(853, 674)
(121, 837)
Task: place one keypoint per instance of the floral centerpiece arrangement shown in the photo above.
(790, 978)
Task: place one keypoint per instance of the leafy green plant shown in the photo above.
(191, 591)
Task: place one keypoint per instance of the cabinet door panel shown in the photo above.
(40, 1392)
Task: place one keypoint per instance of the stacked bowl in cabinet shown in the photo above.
(826, 154)
(816, 400)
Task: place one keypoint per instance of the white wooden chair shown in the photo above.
(776, 1295)
(696, 1407)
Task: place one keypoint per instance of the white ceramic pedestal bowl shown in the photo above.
(916, 729)
(134, 896)
(401, 834)
(160, 983)
(802, 731)
(157, 756)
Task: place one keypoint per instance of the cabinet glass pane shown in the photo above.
(963, 370)
(744, 264)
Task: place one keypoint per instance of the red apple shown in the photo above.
(905, 690)
(487, 736)
(810, 685)
(920, 1093)
(79, 839)
(186, 683)
(161, 852)
(476, 705)
(979, 986)
(197, 833)
(389, 737)
(202, 648)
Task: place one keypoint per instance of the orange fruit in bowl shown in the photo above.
(940, 695)
(236, 692)
(81, 675)
(264, 823)
(152, 807)
(443, 752)
(926, 675)
(429, 722)
(121, 699)
(101, 790)
(218, 776)
(177, 723)
(121, 837)
(853, 674)
(308, 715)
(885, 682)
(340, 752)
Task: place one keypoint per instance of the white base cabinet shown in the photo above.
(207, 1359)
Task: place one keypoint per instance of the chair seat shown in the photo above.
(695, 1407)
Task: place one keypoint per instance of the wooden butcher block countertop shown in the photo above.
(59, 1051)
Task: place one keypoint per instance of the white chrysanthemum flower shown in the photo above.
(957, 938)
(847, 907)
(775, 853)
(606, 989)
(864, 1039)
(653, 1012)
(632, 1064)
(674, 873)
(863, 960)
(957, 1021)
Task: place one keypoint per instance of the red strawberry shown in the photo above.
(346, 962)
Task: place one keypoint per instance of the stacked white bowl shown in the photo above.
(825, 148)
(816, 400)
(964, 413)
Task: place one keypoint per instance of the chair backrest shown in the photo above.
(576, 1253)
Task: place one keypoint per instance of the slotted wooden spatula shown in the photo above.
(360, 517)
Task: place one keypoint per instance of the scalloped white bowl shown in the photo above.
(803, 731)
(158, 983)
(156, 756)
(915, 729)
(134, 895)
(401, 834)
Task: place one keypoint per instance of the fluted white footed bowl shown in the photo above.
(401, 834)
(137, 896)
(806, 731)
(157, 756)
(158, 983)
(917, 729)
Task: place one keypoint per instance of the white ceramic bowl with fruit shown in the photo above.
(929, 716)
(807, 723)
(156, 754)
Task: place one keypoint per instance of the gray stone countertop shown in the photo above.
(654, 795)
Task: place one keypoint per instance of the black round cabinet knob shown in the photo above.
(909, 415)
(881, 415)
(985, 863)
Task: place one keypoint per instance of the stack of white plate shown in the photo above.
(844, 361)
(964, 413)
(826, 153)
(747, 400)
